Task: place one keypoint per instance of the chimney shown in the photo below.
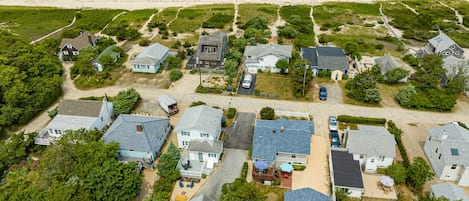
(282, 129)
(139, 128)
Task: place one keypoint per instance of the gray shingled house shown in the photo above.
(305, 194)
(331, 59)
(211, 51)
(449, 191)
(387, 63)
(345, 172)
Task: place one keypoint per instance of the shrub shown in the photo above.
(197, 103)
(125, 101)
(53, 113)
(175, 75)
(361, 120)
(379, 46)
(204, 176)
(267, 113)
(392, 128)
(276, 183)
(244, 171)
(144, 42)
(397, 172)
(231, 113)
(324, 73)
(299, 167)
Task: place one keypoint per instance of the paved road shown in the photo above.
(229, 170)
(239, 134)
(249, 91)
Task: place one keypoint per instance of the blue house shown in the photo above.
(305, 194)
(282, 141)
(332, 59)
(140, 138)
(150, 59)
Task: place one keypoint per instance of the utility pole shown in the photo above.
(304, 81)
(200, 73)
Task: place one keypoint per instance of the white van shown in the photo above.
(247, 81)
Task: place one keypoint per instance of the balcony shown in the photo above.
(269, 174)
(43, 138)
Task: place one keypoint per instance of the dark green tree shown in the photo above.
(241, 190)
(125, 101)
(418, 173)
(175, 75)
(282, 64)
(267, 113)
(397, 172)
(301, 77)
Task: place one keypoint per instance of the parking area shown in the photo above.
(334, 92)
(239, 133)
(249, 91)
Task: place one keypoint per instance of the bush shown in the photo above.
(144, 42)
(276, 183)
(204, 176)
(205, 90)
(267, 113)
(244, 171)
(197, 103)
(397, 172)
(392, 128)
(231, 113)
(361, 120)
(53, 112)
(379, 46)
(125, 101)
(324, 73)
(299, 167)
(175, 75)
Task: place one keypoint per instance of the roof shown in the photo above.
(305, 194)
(80, 41)
(453, 132)
(441, 42)
(268, 139)
(283, 51)
(108, 51)
(166, 99)
(86, 108)
(202, 197)
(124, 131)
(385, 63)
(331, 58)
(208, 146)
(450, 191)
(371, 141)
(202, 117)
(218, 39)
(151, 54)
(347, 172)
(67, 122)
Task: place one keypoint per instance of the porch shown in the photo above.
(43, 138)
(193, 168)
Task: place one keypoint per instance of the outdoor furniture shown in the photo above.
(285, 167)
(181, 184)
(190, 185)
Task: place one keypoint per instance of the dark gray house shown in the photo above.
(210, 52)
(71, 46)
(305, 194)
(331, 59)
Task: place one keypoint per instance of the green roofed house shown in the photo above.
(98, 64)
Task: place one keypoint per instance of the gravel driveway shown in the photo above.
(229, 170)
(334, 92)
(239, 134)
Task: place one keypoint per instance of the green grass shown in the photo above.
(249, 11)
(429, 6)
(191, 18)
(306, 38)
(135, 18)
(33, 23)
(273, 193)
(460, 5)
(461, 38)
(368, 45)
(344, 12)
(272, 83)
(94, 20)
(287, 11)
(96, 81)
(166, 15)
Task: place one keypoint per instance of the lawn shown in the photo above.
(192, 18)
(94, 20)
(272, 83)
(33, 23)
(273, 193)
(249, 11)
(135, 18)
(96, 81)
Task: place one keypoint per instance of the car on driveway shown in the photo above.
(333, 123)
(323, 93)
(335, 142)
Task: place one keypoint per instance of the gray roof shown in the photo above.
(151, 54)
(347, 172)
(283, 51)
(86, 108)
(80, 41)
(453, 131)
(457, 138)
(441, 42)
(330, 58)
(67, 122)
(124, 131)
(268, 140)
(202, 197)
(385, 63)
(208, 146)
(202, 117)
(218, 39)
(450, 191)
(305, 194)
(371, 141)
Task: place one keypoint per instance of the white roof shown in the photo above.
(151, 54)
(261, 50)
(371, 141)
(202, 117)
(68, 122)
(441, 42)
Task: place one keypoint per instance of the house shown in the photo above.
(211, 51)
(200, 157)
(449, 191)
(109, 51)
(373, 146)
(265, 56)
(150, 59)
(345, 173)
(74, 115)
(305, 194)
(447, 150)
(139, 137)
(332, 59)
(199, 122)
(282, 141)
(387, 63)
(70, 47)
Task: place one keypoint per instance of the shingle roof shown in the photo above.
(218, 39)
(208, 146)
(283, 51)
(268, 140)
(67, 122)
(450, 191)
(87, 108)
(347, 172)
(200, 117)
(305, 194)
(385, 63)
(441, 42)
(151, 54)
(331, 58)
(80, 41)
(457, 138)
(453, 131)
(124, 131)
(371, 141)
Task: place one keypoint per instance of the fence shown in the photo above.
(293, 114)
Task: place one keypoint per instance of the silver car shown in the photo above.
(333, 123)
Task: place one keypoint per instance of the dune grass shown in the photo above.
(135, 18)
(192, 18)
(249, 11)
(345, 12)
(94, 20)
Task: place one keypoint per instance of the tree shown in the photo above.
(125, 101)
(167, 167)
(173, 62)
(351, 48)
(406, 95)
(397, 172)
(394, 75)
(282, 64)
(267, 113)
(301, 77)
(372, 96)
(430, 197)
(241, 190)
(457, 80)
(175, 75)
(419, 173)
(341, 194)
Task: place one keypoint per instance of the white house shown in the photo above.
(345, 173)
(373, 146)
(447, 150)
(199, 122)
(265, 56)
(200, 157)
(74, 115)
(150, 59)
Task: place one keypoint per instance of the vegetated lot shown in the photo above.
(299, 26)
(165, 15)
(134, 19)
(249, 11)
(33, 23)
(207, 16)
(273, 193)
(94, 20)
(388, 94)
(357, 23)
(280, 86)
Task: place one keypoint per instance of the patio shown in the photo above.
(373, 190)
(269, 175)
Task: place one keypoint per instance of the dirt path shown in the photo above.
(279, 22)
(114, 18)
(144, 30)
(316, 37)
(54, 32)
(393, 31)
(411, 9)
(234, 26)
(458, 16)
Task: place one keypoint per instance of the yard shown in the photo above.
(192, 18)
(249, 11)
(276, 84)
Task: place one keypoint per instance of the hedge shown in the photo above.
(231, 113)
(299, 167)
(393, 129)
(244, 171)
(361, 120)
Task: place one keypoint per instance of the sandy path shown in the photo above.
(408, 7)
(114, 18)
(54, 32)
(278, 23)
(315, 27)
(393, 31)
(458, 16)
(144, 30)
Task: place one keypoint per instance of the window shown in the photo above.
(185, 143)
(204, 135)
(212, 155)
(429, 138)
(439, 156)
(75, 52)
(454, 166)
(102, 119)
(362, 156)
(436, 150)
(65, 52)
(372, 160)
(185, 133)
(293, 156)
(381, 158)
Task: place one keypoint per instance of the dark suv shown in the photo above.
(323, 93)
(335, 142)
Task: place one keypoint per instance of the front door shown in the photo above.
(201, 156)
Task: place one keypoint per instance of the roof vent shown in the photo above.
(139, 128)
(282, 129)
(273, 131)
(444, 137)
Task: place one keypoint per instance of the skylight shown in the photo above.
(454, 152)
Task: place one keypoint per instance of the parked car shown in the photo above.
(335, 141)
(323, 93)
(333, 123)
(247, 81)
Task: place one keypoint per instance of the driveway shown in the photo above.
(249, 91)
(229, 170)
(334, 92)
(239, 133)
